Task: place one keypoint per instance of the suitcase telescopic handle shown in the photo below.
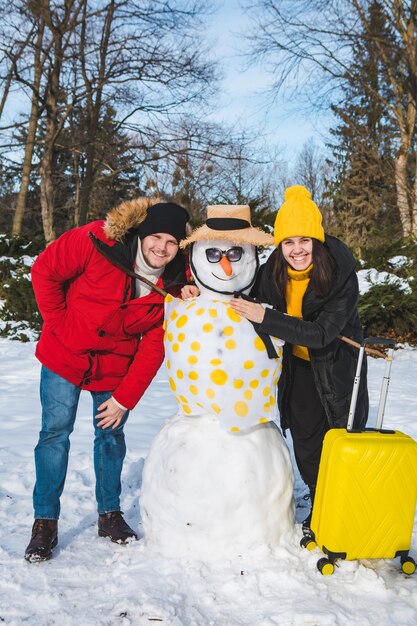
(385, 381)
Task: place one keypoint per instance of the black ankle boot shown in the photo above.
(43, 541)
(113, 525)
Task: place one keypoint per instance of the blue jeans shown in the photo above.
(59, 399)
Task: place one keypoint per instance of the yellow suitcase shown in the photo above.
(366, 489)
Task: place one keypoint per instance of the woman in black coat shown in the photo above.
(311, 283)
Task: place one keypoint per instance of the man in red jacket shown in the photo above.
(102, 332)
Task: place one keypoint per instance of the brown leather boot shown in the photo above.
(43, 541)
(113, 525)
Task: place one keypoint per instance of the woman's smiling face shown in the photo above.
(298, 252)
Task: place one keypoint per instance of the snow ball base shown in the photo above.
(209, 494)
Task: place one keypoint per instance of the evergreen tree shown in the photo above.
(363, 190)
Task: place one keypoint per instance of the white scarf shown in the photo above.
(142, 268)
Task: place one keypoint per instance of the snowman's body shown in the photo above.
(218, 479)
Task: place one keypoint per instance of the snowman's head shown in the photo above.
(223, 266)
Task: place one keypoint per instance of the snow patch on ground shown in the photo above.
(91, 581)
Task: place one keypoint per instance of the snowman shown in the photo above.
(218, 480)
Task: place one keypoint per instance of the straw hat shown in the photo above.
(231, 222)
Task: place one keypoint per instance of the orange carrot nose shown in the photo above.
(227, 268)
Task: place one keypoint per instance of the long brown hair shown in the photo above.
(322, 274)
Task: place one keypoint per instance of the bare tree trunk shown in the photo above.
(30, 140)
(6, 92)
(61, 31)
(77, 185)
(401, 185)
(94, 106)
(47, 187)
(47, 162)
(414, 206)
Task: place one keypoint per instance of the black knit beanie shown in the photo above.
(165, 217)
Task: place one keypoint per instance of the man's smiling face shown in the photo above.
(159, 249)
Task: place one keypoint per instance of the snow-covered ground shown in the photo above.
(91, 581)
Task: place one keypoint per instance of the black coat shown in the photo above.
(333, 362)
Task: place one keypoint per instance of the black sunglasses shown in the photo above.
(214, 255)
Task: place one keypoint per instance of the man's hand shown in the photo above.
(189, 291)
(110, 414)
(252, 311)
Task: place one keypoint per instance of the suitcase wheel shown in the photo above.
(308, 542)
(408, 565)
(325, 567)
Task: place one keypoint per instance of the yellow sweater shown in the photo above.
(296, 288)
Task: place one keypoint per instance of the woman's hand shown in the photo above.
(252, 311)
(189, 291)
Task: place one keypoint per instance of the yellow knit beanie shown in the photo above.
(298, 216)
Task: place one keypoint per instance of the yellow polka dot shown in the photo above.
(280, 367)
(172, 384)
(183, 399)
(208, 328)
(263, 420)
(267, 407)
(238, 383)
(231, 314)
(199, 311)
(181, 337)
(264, 373)
(168, 364)
(174, 315)
(279, 352)
(180, 374)
(241, 408)
(228, 330)
(266, 391)
(190, 306)
(218, 377)
(175, 347)
(210, 393)
(168, 298)
(164, 325)
(254, 383)
(170, 337)
(259, 344)
(230, 344)
(248, 394)
(195, 346)
(271, 400)
(248, 365)
(215, 362)
(186, 409)
(194, 390)
(213, 312)
(215, 408)
(275, 381)
(193, 375)
(192, 360)
(182, 321)
(200, 405)
(234, 429)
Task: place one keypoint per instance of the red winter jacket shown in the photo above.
(94, 334)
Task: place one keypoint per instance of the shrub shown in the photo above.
(388, 310)
(19, 313)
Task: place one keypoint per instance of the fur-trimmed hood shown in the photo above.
(126, 215)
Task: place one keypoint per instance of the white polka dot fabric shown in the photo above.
(217, 363)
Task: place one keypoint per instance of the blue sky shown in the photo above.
(242, 98)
